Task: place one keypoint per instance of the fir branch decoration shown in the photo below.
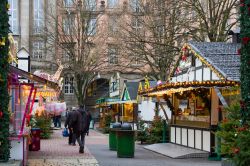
(4, 69)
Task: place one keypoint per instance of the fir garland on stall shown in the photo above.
(4, 68)
(242, 146)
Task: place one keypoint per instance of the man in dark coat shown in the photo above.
(69, 123)
(80, 127)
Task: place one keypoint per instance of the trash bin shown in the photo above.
(35, 139)
(125, 141)
(112, 135)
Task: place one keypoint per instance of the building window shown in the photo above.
(113, 25)
(160, 30)
(66, 55)
(68, 24)
(13, 19)
(137, 24)
(90, 5)
(38, 50)
(136, 5)
(113, 55)
(68, 3)
(68, 85)
(91, 27)
(38, 16)
(112, 3)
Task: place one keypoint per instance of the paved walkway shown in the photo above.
(56, 152)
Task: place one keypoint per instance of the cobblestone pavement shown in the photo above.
(56, 152)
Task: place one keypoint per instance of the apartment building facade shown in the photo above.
(28, 18)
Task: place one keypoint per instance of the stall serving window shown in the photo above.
(192, 108)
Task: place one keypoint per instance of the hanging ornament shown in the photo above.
(177, 70)
(236, 150)
(1, 114)
(2, 41)
(242, 5)
(184, 58)
(245, 40)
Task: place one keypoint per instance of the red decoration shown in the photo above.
(242, 104)
(241, 129)
(1, 114)
(184, 48)
(245, 40)
(236, 150)
(242, 1)
(242, 5)
(177, 70)
(184, 58)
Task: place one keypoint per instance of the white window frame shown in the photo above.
(68, 3)
(66, 55)
(13, 19)
(91, 27)
(38, 50)
(90, 5)
(113, 3)
(68, 85)
(136, 24)
(113, 55)
(38, 16)
(136, 5)
(113, 25)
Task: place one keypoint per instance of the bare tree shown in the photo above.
(211, 20)
(73, 33)
(152, 35)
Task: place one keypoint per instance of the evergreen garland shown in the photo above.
(241, 149)
(245, 60)
(4, 68)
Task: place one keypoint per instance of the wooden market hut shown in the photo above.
(205, 78)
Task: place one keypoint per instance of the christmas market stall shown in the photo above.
(129, 105)
(21, 102)
(109, 109)
(204, 81)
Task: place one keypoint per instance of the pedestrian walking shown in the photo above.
(89, 118)
(80, 127)
(69, 123)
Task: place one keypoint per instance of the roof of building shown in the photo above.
(221, 55)
(132, 88)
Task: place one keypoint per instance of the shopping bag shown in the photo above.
(65, 132)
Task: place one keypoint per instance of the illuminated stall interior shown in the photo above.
(108, 107)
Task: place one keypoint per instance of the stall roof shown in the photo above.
(33, 77)
(132, 89)
(170, 87)
(219, 56)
